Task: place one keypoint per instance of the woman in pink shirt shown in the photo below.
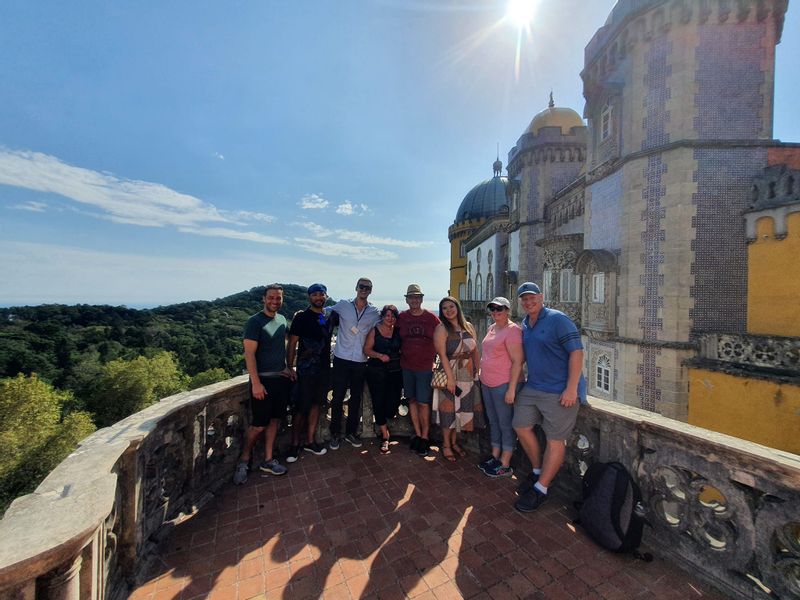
(501, 368)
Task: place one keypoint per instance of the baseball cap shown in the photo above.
(500, 301)
(528, 288)
(317, 287)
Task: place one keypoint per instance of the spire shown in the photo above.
(551, 104)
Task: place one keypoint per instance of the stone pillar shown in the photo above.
(63, 583)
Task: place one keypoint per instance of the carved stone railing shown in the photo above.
(89, 528)
(725, 509)
(771, 352)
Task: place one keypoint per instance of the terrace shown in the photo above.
(146, 509)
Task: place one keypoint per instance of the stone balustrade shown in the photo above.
(725, 509)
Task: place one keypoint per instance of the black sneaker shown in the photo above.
(413, 446)
(423, 447)
(334, 443)
(353, 439)
(530, 501)
(488, 464)
(527, 484)
(292, 454)
(315, 448)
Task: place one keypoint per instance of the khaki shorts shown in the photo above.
(532, 407)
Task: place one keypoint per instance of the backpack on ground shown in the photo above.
(608, 511)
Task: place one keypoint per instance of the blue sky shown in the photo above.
(158, 152)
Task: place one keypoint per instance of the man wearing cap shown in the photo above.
(312, 330)
(356, 318)
(554, 356)
(416, 326)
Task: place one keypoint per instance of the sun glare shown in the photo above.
(521, 12)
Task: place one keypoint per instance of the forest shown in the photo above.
(67, 370)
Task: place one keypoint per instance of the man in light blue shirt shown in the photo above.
(356, 318)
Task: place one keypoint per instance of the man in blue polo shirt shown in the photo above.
(554, 356)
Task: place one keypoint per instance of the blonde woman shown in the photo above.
(458, 408)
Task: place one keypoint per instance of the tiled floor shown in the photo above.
(356, 524)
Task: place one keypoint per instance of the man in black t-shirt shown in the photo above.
(312, 330)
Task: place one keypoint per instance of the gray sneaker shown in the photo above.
(499, 471)
(273, 467)
(240, 474)
(334, 443)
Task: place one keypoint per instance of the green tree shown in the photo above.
(128, 386)
(208, 377)
(33, 434)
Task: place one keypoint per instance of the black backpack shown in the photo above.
(608, 511)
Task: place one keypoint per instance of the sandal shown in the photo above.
(461, 452)
(385, 446)
(447, 452)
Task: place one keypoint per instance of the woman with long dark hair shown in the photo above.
(384, 375)
(457, 408)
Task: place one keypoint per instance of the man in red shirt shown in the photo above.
(416, 326)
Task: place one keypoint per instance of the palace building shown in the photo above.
(646, 222)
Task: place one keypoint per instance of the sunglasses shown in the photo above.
(361, 286)
(495, 308)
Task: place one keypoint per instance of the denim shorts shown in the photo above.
(417, 386)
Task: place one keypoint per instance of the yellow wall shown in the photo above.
(761, 411)
(773, 283)
(457, 233)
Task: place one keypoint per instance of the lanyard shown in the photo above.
(358, 316)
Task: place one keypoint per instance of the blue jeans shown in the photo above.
(500, 416)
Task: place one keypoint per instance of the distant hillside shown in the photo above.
(57, 341)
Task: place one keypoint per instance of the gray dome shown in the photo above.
(484, 200)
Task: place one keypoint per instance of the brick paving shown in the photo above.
(358, 524)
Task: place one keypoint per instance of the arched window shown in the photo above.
(603, 373)
(489, 257)
(462, 289)
(489, 287)
(606, 125)
(478, 287)
(469, 289)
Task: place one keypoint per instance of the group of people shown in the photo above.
(395, 353)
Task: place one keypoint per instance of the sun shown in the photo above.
(521, 12)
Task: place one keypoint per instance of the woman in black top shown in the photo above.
(384, 376)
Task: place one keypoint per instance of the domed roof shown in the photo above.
(555, 116)
(484, 200)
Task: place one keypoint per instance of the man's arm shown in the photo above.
(291, 352)
(517, 359)
(250, 347)
(570, 394)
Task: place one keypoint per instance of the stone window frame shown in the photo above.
(462, 290)
(469, 289)
(606, 121)
(462, 249)
(489, 286)
(478, 287)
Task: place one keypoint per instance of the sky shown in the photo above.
(160, 152)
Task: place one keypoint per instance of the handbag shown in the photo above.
(439, 379)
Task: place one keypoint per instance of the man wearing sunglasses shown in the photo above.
(356, 318)
(311, 329)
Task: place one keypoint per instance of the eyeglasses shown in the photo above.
(495, 308)
(361, 286)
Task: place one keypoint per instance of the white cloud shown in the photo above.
(31, 205)
(219, 156)
(344, 250)
(315, 228)
(126, 201)
(368, 238)
(350, 208)
(234, 234)
(312, 202)
(248, 215)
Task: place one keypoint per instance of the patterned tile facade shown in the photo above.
(604, 209)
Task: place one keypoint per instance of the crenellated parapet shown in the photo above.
(775, 194)
(634, 22)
